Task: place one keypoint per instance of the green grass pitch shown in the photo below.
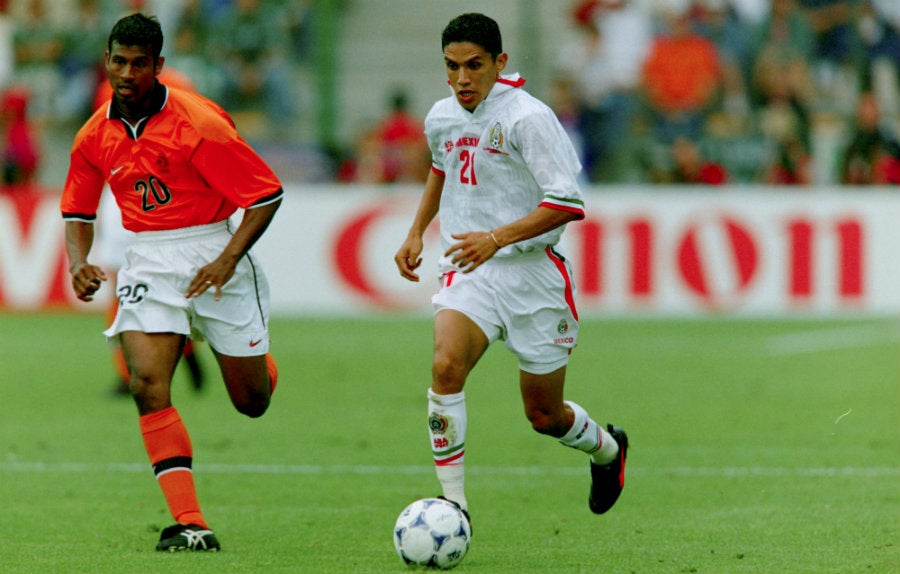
(757, 447)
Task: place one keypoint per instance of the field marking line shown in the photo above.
(818, 340)
(37, 467)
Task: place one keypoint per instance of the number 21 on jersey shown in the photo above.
(467, 171)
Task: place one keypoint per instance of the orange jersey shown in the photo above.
(183, 165)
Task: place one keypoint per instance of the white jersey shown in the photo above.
(500, 163)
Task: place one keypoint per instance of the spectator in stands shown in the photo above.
(832, 20)
(393, 150)
(604, 66)
(362, 164)
(400, 138)
(717, 21)
(563, 100)
(81, 70)
(750, 12)
(7, 52)
(881, 57)
(682, 77)
(688, 165)
(782, 83)
(188, 54)
(21, 152)
(249, 42)
(889, 10)
(873, 154)
(38, 45)
(792, 165)
(838, 52)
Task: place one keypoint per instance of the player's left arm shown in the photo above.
(254, 223)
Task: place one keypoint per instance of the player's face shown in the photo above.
(472, 72)
(132, 72)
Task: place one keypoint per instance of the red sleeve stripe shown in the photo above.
(569, 208)
(438, 172)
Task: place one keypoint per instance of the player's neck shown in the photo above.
(133, 114)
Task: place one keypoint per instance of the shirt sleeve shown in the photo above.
(552, 160)
(233, 169)
(84, 185)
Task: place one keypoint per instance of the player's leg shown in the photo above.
(189, 354)
(250, 381)
(152, 358)
(458, 345)
(542, 397)
(118, 358)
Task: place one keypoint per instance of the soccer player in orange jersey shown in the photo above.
(178, 171)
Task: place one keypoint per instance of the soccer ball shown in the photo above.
(432, 532)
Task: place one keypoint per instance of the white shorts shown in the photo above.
(527, 301)
(159, 267)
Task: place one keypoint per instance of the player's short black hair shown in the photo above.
(477, 29)
(137, 30)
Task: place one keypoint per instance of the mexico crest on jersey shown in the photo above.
(496, 136)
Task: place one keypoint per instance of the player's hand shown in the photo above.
(211, 276)
(86, 280)
(472, 249)
(407, 258)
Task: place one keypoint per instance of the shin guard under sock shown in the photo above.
(169, 448)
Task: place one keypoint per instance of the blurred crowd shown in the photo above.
(740, 91)
(790, 92)
(245, 54)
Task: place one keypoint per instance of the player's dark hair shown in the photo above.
(137, 30)
(477, 29)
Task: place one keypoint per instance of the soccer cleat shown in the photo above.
(180, 537)
(464, 511)
(608, 480)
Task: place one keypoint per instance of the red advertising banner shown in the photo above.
(669, 252)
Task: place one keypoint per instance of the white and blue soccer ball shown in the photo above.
(432, 532)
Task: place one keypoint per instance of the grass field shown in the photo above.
(757, 447)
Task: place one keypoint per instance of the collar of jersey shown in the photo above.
(158, 98)
(503, 85)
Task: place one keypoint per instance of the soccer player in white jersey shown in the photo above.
(504, 180)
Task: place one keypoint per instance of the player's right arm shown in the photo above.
(408, 256)
(86, 278)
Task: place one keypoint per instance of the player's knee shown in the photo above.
(149, 395)
(254, 407)
(449, 375)
(546, 422)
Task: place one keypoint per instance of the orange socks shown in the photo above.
(169, 448)
(272, 368)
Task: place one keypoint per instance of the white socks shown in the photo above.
(447, 428)
(587, 436)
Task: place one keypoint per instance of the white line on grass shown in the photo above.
(818, 340)
(37, 467)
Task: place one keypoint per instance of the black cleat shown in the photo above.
(180, 537)
(608, 480)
